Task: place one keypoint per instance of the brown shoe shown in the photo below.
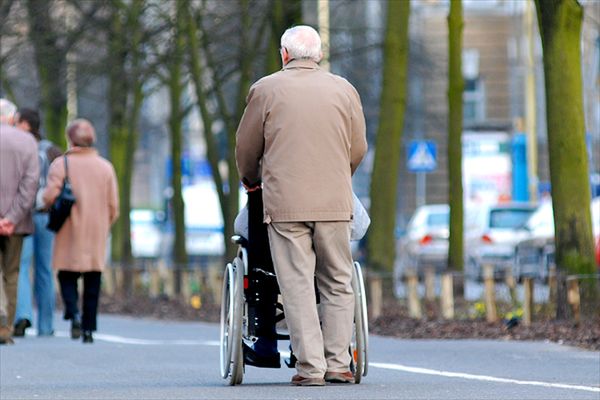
(339, 377)
(298, 380)
(5, 335)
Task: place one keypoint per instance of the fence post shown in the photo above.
(511, 284)
(119, 284)
(154, 289)
(375, 295)
(573, 297)
(215, 282)
(138, 280)
(447, 298)
(490, 294)
(528, 302)
(552, 285)
(108, 281)
(412, 283)
(430, 283)
(166, 276)
(186, 289)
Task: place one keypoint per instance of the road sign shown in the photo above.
(421, 156)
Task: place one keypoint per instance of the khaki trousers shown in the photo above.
(302, 251)
(10, 256)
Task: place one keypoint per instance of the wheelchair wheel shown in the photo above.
(360, 337)
(232, 307)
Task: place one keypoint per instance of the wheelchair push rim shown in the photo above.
(231, 356)
(360, 340)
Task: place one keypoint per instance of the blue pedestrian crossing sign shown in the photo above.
(421, 156)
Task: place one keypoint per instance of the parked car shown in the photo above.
(146, 234)
(535, 254)
(491, 235)
(425, 242)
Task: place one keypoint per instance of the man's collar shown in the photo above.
(304, 63)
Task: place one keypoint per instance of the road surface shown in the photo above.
(149, 359)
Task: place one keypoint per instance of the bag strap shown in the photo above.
(66, 170)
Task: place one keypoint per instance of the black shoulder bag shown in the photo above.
(61, 209)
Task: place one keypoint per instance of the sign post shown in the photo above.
(421, 158)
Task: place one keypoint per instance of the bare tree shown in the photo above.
(52, 38)
(222, 73)
(384, 178)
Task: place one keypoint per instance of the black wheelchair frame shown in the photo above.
(250, 306)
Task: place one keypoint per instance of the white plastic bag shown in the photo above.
(361, 221)
(240, 225)
(358, 226)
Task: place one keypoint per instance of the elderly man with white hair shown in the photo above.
(302, 136)
(19, 173)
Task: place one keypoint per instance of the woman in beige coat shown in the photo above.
(80, 244)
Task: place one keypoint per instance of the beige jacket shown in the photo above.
(19, 173)
(303, 134)
(80, 245)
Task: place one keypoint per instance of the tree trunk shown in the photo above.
(117, 105)
(227, 184)
(560, 29)
(455, 126)
(50, 60)
(212, 149)
(175, 91)
(384, 178)
(125, 97)
(283, 15)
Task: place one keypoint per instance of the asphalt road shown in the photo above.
(149, 359)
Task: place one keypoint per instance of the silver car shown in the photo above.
(491, 235)
(425, 242)
(535, 253)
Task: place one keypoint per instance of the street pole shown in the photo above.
(421, 188)
(323, 17)
(530, 101)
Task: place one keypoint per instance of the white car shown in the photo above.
(425, 243)
(491, 235)
(146, 235)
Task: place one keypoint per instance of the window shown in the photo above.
(474, 101)
(474, 91)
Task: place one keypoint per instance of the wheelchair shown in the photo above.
(246, 285)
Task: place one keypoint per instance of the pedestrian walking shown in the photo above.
(19, 173)
(37, 248)
(80, 244)
(303, 135)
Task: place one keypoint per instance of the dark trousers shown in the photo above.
(91, 293)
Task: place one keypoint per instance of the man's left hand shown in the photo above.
(7, 228)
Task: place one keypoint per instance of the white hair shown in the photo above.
(7, 110)
(302, 41)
